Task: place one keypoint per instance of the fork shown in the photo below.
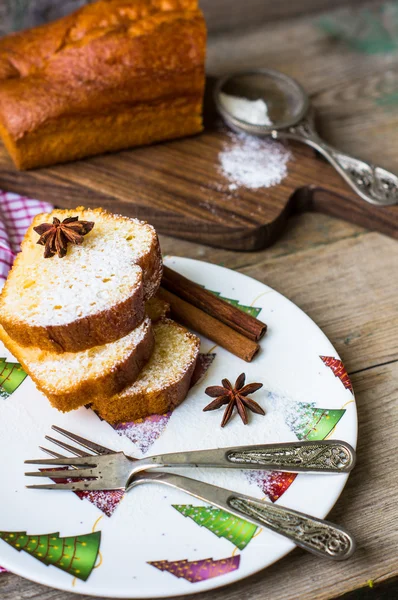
(327, 456)
(318, 536)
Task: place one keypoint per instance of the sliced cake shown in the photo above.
(156, 308)
(164, 381)
(93, 295)
(70, 380)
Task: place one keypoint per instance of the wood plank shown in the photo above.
(345, 277)
(353, 86)
(223, 14)
(342, 278)
(230, 14)
(179, 188)
(373, 483)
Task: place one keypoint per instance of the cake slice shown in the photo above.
(156, 308)
(92, 296)
(164, 381)
(70, 380)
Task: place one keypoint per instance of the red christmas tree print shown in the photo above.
(339, 371)
(106, 501)
(272, 483)
(198, 570)
(144, 432)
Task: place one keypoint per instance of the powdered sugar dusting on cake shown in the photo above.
(91, 277)
(247, 161)
(160, 371)
(65, 369)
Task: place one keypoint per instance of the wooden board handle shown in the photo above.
(355, 210)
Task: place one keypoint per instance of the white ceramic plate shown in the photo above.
(191, 547)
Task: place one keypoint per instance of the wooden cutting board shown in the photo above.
(177, 187)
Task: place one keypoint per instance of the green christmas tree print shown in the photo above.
(75, 555)
(237, 531)
(310, 423)
(250, 310)
(11, 377)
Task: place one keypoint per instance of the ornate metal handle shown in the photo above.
(373, 184)
(328, 456)
(319, 537)
(320, 457)
(316, 536)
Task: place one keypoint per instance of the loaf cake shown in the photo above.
(115, 74)
(92, 296)
(164, 381)
(73, 379)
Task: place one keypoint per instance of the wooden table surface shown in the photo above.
(343, 276)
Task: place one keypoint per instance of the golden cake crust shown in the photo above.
(104, 326)
(113, 75)
(114, 377)
(156, 392)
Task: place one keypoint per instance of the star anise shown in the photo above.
(234, 396)
(56, 236)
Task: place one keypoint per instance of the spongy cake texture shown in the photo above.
(73, 379)
(92, 296)
(164, 381)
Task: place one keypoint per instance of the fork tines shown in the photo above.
(81, 465)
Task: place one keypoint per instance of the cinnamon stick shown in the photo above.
(206, 325)
(193, 293)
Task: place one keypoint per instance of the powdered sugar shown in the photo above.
(100, 273)
(247, 161)
(254, 112)
(270, 428)
(144, 432)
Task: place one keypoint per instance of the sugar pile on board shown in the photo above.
(254, 112)
(251, 162)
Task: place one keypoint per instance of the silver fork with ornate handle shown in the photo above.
(328, 456)
(315, 535)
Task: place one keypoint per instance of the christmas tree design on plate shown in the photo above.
(11, 377)
(273, 483)
(106, 501)
(237, 531)
(308, 423)
(144, 432)
(254, 311)
(198, 570)
(75, 555)
(339, 371)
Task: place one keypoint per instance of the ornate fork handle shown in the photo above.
(372, 183)
(315, 535)
(331, 456)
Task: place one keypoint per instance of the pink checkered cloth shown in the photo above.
(16, 214)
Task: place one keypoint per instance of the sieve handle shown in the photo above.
(372, 183)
